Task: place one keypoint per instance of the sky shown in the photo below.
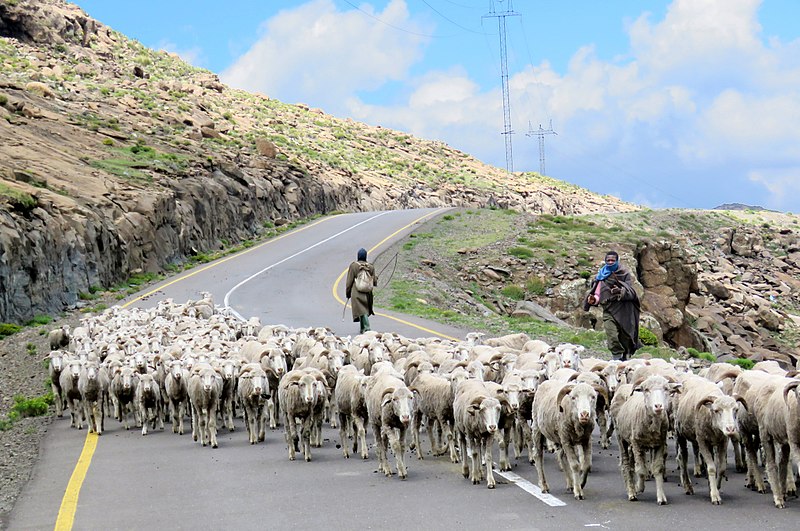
(684, 104)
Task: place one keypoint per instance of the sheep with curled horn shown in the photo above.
(564, 413)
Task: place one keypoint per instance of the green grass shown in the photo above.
(17, 198)
(521, 252)
(744, 363)
(513, 292)
(26, 407)
(8, 329)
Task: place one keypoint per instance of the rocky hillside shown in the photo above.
(117, 159)
(726, 283)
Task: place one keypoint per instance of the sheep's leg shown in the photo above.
(229, 415)
(659, 466)
(333, 414)
(59, 400)
(212, 426)
(433, 431)
(361, 436)
(143, 416)
(306, 432)
(791, 487)
(487, 457)
(698, 464)
(202, 420)
(775, 481)
(465, 460)
(396, 437)
(416, 422)
(502, 436)
(343, 442)
(683, 464)
(626, 467)
(387, 468)
(288, 430)
(783, 468)
(538, 453)
(573, 468)
(640, 463)
(273, 420)
(602, 423)
(195, 422)
(261, 422)
(448, 444)
(738, 454)
(754, 477)
(711, 468)
(475, 448)
(87, 407)
(585, 460)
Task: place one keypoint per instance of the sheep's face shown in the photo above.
(209, 379)
(610, 377)
(335, 361)
(309, 390)
(377, 353)
(584, 400)
(56, 361)
(568, 356)
(723, 415)
(656, 396)
(488, 413)
(74, 368)
(176, 370)
(127, 378)
(476, 370)
(147, 383)
(229, 370)
(531, 380)
(512, 396)
(402, 404)
(91, 372)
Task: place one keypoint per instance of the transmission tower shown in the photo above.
(501, 22)
(541, 134)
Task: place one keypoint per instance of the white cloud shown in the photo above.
(783, 185)
(194, 56)
(315, 53)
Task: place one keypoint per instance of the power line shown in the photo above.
(398, 28)
(450, 20)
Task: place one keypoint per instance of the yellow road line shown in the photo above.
(66, 514)
(335, 287)
(69, 503)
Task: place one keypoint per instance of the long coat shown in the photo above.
(625, 308)
(361, 302)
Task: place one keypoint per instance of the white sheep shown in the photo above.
(176, 388)
(59, 338)
(753, 387)
(706, 417)
(642, 425)
(300, 393)
(253, 392)
(565, 415)
(476, 419)
(123, 389)
(390, 406)
(56, 363)
(69, 387)
(433, 401)
(205, 386)
(228, 370)
(350, 399)
(148, 402)
(93, 385)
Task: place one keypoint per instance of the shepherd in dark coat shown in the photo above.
(612, 289)
(361, 301)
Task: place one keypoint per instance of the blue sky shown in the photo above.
(688, 103)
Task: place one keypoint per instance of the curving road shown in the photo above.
(163, 481)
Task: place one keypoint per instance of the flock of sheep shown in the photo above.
(192, 359)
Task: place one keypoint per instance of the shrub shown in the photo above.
(108, 142)
(39, 320)
(513, 292)
(521, 252)
(7, 329)
(586, 274)
(647, 337)
(536, 286)
(744, 363)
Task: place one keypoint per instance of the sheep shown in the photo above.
(476, 417)
(205, 387)
(564, 414)
(299, 394)
(390, 406)
(123, 389)
(93, 386)
(569, 355)
(148, 402)
(752, 386)
(229, 372)
(350, 400)
(274, 364)
(706, 417)
(531, 379)
(59, 337)
(779, 430)
(253, 392)
(69, 387)
(514, 341)
(54, 368)
(433, 400)
(642, 424)
(365, 357)
(176, 387)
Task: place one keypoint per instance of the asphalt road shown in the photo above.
(165, 481)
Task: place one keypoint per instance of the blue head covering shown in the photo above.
(607, 269)
(362, 255)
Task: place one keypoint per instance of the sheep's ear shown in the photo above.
(742, 401)
(387, 398)
(707, 401)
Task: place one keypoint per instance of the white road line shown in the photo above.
(298, 253)
(530, 488)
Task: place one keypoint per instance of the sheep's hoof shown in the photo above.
(632, 497)
(662, 502)
(308, 458)
(716, 502)
(491, 486)
(404, 476)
